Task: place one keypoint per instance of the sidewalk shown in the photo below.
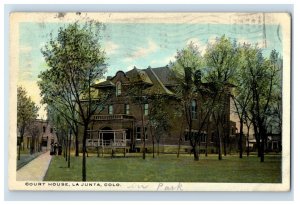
(36, 169)
(26, 158)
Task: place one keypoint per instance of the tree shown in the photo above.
(248, 123)
(160, 118)
(207, 95)
(76, 61)
(34, 132)
(27, 112)
(242, 97)
(137, 95)
(221, 60)
(188, 60)
(263, 76)
(62, 126)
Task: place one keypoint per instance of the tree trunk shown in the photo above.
(158, 148)
(257, 139)
(241, 139)
(262, 146)
(84, 153)
(225, 143)
(144, 136)
(262, 154)
(76, 145)
(248, 148)
(64, 148)
(69, 150)
(220, 144)
(196, 153)
(179, 141)
(19, 151)
(178, 150)
(206, 138)
(152, 147)
(151, 131)
(31, 145)
(206, 147)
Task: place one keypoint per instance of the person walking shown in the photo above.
(55, 148)
(51, 148)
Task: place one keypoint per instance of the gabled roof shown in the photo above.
(136, 75)
(165, 75)
(158, 87)
(156, 78)
(106, 83)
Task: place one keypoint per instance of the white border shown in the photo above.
(283, 19)
(213, 196)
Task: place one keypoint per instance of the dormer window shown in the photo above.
(118, 88)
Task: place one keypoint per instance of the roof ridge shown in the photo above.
(159, 81)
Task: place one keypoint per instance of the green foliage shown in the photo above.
(160, 117)
(221, 59)
(262, 76)
(230, 69)
(187, 57)
(27, 111)
(76, 61)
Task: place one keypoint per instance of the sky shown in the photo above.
(137, 44)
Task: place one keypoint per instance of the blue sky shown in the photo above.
(138, 44)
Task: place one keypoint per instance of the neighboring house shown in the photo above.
(274, 143)
(42, 136)
(122, 118)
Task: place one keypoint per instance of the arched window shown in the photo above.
(194, 109)
(110, 110)
(118, 88)
(146, 109)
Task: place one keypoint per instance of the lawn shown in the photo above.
(168, 168)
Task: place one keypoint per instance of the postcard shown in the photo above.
(149, 101)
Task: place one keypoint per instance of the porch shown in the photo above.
(107, 139)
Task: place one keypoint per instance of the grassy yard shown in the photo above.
(167, 168)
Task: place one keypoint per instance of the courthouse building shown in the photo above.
(122, 118)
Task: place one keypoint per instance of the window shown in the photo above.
(194, 109)
(127, 109)
(44, 129)
(110, 110)
(146, 133)
(186, 136)
(118, 88)
(51, 130)
(203, 137)
(212, 137)
(146, 109)
(128, 134)
(139, 133)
